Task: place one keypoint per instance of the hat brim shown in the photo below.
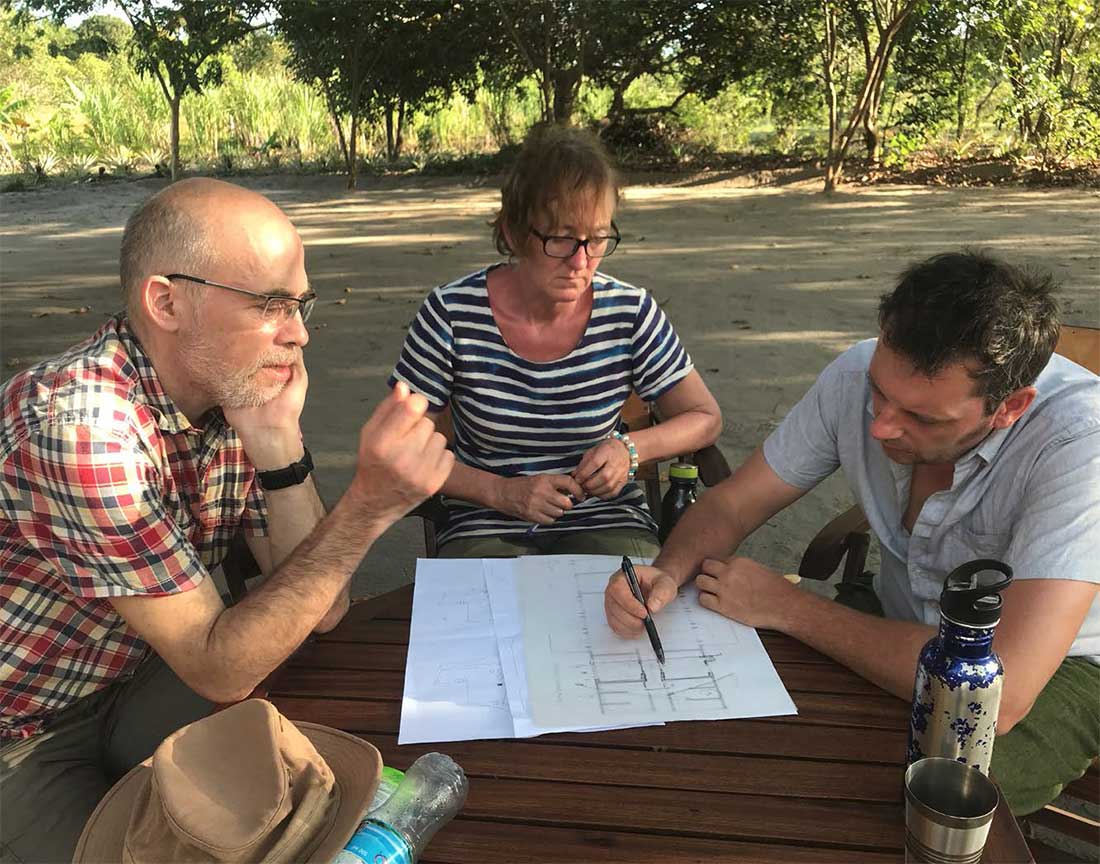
(356, 764)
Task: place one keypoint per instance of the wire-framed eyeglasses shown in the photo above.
(564, 246)
(277, 307)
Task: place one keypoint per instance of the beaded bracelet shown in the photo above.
(630, 449)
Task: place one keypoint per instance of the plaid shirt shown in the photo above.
(106, 490)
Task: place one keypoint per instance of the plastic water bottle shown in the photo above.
(391, 779)
(432, 791)
(682, 477)
(957, 692)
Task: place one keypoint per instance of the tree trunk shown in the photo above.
(871, 140)
(399, 137)
(870, 93)
(567, 84)
(353, 138)
(872, 136)
(387, 112)
(617, 104)
(174, 136)
(960, 87)
(828, 74)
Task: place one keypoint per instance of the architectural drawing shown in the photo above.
(577, 668)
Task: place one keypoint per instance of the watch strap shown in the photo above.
(292, 475)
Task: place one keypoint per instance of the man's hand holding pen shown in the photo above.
(625, 614)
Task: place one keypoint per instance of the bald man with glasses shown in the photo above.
(128, 464)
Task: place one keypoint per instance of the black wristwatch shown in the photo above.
(292, 475)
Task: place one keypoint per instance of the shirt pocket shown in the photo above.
(963, 543)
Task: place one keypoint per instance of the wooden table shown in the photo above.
(823, 786)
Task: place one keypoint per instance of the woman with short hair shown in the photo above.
(535, 358)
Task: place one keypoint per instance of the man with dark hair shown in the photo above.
(128, 464)
(961, 437)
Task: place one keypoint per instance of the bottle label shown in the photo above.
(374, 843)
(391, 779)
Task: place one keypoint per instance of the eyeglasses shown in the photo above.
(277, 307)
(557, 246)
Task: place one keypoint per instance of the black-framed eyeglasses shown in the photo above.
(277, 307)
(559, 246)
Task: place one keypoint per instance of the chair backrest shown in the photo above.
(1081, 345)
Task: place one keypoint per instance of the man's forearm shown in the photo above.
(252, 638)
(292, 514)
(706, 530)
(725, 516)
(882, 650)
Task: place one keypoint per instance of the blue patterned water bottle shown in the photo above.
(957, 692)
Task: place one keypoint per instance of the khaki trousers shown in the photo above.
(635, 542)
(50, 783)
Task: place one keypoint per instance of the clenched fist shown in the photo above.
(402, 459)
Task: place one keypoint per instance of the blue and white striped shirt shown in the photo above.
(514, 416)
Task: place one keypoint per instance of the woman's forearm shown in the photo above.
(680, 435)
(474, 485)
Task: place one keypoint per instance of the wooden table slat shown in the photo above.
(740, 775)
(878, 827)
(503, 843)
(746, 737)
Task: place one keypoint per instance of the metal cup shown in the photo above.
(948, 809)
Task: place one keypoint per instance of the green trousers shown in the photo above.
(635, 542)
(50, 783)
(1053, 745)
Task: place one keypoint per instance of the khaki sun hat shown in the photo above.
(245, 784)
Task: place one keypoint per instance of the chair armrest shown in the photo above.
(713, 467)
(432, 509)
(846, 534)
(239, 566)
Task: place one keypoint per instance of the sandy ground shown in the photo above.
(764, 285)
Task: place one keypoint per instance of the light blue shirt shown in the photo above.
(1028, 495)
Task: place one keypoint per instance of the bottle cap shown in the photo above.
(683, 471)
(971, 594)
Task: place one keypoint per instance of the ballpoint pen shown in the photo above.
(650, 627)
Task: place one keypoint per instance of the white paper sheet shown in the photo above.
(454, 688)
(579, 672)
(500, 581)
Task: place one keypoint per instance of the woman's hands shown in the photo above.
(604, 469)
(540, 498)
(544, 498)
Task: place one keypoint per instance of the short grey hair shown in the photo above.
(161, 237)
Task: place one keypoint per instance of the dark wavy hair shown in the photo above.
(556, 166)
(971, 307)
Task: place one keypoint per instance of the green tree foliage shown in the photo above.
(702, 45)
(665, 80)
(378, 59)
(1051, 55)
(178, 43)
(102, 35)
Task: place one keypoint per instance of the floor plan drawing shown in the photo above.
(454, 685)
(578, 669)
(477, 681)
